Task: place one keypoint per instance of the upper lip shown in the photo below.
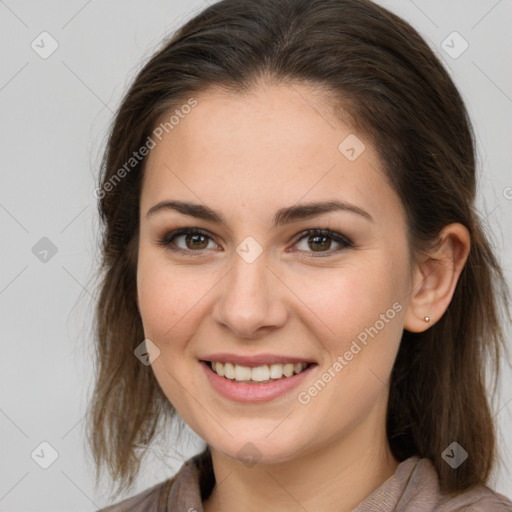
(255, 360)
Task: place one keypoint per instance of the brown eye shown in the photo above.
(196, 241)
(186, 240)
(320, 241)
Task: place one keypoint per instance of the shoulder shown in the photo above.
(478, 499)
(184, 491)
(415, 487)
(153, 499)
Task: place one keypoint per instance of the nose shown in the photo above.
(251, 300)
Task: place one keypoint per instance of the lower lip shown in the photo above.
(244, 392)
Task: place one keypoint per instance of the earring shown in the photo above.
(427, 319)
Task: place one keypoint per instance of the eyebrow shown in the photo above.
(283, 216)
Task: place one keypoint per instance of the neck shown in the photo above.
(335, 477)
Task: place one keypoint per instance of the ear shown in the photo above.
(435, 277)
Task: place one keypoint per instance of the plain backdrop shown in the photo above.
(55, 112)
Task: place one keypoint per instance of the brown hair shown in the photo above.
(398, 95)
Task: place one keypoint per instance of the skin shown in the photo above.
(246, 157)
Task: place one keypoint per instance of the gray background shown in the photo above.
(55, 115)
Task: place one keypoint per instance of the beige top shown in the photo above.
(414, 487)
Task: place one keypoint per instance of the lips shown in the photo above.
(255, 392)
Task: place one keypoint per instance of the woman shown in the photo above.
(293, 264)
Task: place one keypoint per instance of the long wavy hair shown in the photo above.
(392, 89)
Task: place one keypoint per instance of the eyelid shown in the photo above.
(167, 239)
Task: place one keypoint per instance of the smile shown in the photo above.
(253, 384)
(261, 374)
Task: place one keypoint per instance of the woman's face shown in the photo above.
(245, 286)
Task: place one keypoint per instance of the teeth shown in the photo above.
(258, 373)
(219, 368)
(288, 369)
(276, 371)
(229, 370)
(242, 372)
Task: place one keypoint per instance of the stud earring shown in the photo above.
(427, 319)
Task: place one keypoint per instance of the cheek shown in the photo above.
(169, 297)
(364, 312)
(366, 316)
(169, 303)
(350, 299)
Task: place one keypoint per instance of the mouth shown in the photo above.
(263, 374)
(256, 378)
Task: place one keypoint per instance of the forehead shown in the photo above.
(269, 147)
(290, 122)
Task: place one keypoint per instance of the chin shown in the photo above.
(253, 450)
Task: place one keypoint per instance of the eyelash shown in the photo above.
(168, 238)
